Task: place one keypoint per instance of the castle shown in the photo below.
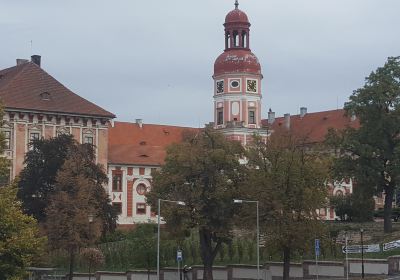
(37, 106)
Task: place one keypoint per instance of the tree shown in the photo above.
(38, 178)
(204, 172)
(78, 193)
(288, 178)
(20, 243)
(144, 240)
(371, 153)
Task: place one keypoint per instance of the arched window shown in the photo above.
(227, 40)
(244, 39)
(235, 39)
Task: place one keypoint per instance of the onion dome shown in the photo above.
(237, 61)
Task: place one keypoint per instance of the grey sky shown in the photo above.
(154, 59)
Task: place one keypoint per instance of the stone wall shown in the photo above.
(270, 271)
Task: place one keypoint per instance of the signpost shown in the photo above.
(317, 253)
(179, 258)
(356, 249)
(391, 245)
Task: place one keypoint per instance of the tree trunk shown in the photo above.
(286, 263)
(71, 264)
(208, 253)
(387, 212)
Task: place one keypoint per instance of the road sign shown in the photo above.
(391, 245)
(179, 255)
(317, 247)
(356, 249)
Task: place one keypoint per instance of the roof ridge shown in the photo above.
(153, 124)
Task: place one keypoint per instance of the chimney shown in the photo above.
(36, 59)
(287, 121)
(303, 111)
(21, 61)
(139, 122)
(271, 116)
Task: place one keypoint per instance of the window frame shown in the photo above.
(117, 187)
(119, 204)
(252, 118)
(220, 116)
(141, 211)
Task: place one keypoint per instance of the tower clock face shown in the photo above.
(220, 86)
(252, 85)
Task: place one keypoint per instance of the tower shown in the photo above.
(237, 82)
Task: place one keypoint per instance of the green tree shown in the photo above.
(20, 243)
(205, 173)
(38, 178)
(79, 193)
(144, 239)
(371, 153)
(288, 178)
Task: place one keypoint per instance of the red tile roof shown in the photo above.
(314, 126)
(22, 87)
(128, 143)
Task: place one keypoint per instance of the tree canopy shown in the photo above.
(20, 243)
(289, 179)
(205, 173)
(371, 153)
(38, 178)
(75, 217)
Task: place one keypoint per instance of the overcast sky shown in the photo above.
(154, 59)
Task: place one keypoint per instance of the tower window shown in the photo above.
(252, 116)
(244, 39)
(235, 39)
(227, 40)
(220, 116)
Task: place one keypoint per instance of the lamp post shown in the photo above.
(158, 230)
(362, 253)
(90, 219)
(258, 231)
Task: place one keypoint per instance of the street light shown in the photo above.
(90, 219)
(362, 253)
(241, 201)
(158, 230)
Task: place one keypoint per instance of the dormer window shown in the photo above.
(45, 96)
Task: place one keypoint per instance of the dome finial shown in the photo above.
(236, 4)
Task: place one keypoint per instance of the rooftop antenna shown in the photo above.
(236, 4)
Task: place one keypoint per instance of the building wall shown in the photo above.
(130, 194)
(25, 125)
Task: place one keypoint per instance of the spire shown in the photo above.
(236, 4)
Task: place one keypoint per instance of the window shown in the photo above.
(117, 183)
(117, 207)
(220, 116)
(34, 136)
(252, 116)
(88, 139)
(141, 189)
(7, 140)
(141, 208)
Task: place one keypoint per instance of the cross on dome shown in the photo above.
(236, 4)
